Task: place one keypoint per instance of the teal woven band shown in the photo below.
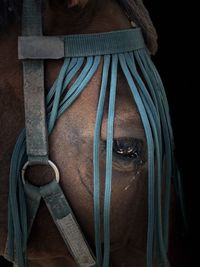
(48, 47)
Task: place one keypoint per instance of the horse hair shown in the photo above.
(10, 12)
(137, 12)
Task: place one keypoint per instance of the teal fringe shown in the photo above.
(149, 95)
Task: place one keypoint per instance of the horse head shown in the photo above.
(111, 137)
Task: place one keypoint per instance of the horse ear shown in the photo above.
(81, 3)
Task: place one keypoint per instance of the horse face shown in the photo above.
(71, 147)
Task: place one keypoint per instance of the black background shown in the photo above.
(175, 62)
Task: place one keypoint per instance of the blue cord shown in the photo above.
(97, 133)
(151, 101)
(150, 146)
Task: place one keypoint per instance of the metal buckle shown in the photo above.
(50, 163)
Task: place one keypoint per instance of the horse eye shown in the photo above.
(130, 148)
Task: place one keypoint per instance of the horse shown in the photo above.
(71, 142)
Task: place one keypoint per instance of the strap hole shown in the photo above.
(40, 175)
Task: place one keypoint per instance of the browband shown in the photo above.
(55, 47)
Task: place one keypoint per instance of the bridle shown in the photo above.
(125, 48)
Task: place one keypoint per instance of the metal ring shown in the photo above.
(50, 163)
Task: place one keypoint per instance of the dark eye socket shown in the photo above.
(128, 148)
(129, 154)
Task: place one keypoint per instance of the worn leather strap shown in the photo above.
(37, 145)
(63, 217)
(34, 95)
(66, 223)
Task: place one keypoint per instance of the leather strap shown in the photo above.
(63, 217)
(34, 95)
(37, 146)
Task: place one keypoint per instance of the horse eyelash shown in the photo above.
(128, 149)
